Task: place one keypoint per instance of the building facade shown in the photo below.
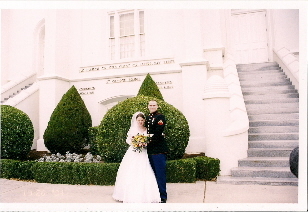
(190, 53)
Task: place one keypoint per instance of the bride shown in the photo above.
(136, 182)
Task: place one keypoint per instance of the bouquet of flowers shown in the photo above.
(139, 142)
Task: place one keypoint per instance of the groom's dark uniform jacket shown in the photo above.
(155, 124)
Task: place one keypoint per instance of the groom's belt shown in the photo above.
(151, 135)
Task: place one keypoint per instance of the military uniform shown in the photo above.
(157, 149)
(155, 124)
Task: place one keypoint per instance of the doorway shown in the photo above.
(249, 36)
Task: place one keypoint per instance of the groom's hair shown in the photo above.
(153, 100)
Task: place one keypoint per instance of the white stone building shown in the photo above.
(106, 54)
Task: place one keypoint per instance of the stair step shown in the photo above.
(272, 105)
(294, 122)
(270, 96)
(261, 84)
(264, 162)
(263, 78)
(273, 136)
(269, 152)
(268, 89)
(271, 172)
(275, 100)
(273, 144)
(260, 70)
(273, 129)
(273, 111)
(282, 117)
(257, 181)
(257, 65)
(258, 75)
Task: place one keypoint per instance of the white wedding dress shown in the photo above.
(136, 182)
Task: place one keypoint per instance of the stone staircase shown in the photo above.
(16, 93)
(272, 106)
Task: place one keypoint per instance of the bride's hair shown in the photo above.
(140, 115)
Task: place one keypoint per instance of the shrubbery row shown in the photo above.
(178, 171)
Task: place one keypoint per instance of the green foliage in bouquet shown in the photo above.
(68, 126)
(149, 88)
(113, 128)
(17, 133)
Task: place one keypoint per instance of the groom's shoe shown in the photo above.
(163, 200)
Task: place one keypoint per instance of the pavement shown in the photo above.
(201, 195)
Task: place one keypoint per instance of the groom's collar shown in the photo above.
(154, 113)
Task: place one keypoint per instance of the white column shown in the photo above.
(194, 71)
(50, 43)
(193, 36)
(212, 23)
(52, 86)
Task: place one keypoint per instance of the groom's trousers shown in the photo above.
(158, 163)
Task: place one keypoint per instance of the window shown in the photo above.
(141, 35)
(112, 39)
(127, 36)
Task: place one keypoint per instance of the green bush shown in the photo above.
(113, 129)
(178, 171)
(7, 168)
(17, 133)
(24, 171)
(68, 126)
(92, 140)
(149, 88)
(181, 171)
(16, 169)
(207, 168)
(75, 173)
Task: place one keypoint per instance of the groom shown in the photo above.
(157, 148)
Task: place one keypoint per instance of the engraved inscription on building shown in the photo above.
(86, 90)
(126, 65)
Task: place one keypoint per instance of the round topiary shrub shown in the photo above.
(17, 133)
(68, 126)
(113, 129)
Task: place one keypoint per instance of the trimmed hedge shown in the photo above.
(75, 173)
(8, 168)
(181, 171)
(16, 169)
(149, 88)
(68, 126)
(207, 168)
(113, 129)
(17, 133)
(178, 171)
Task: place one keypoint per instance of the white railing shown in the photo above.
(16, 85)
(238, 113)
(22, 95)
(289, 64)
